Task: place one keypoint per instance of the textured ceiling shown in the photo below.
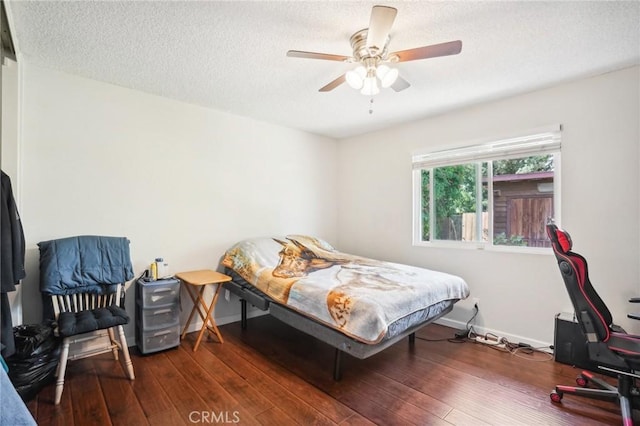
(231, 55)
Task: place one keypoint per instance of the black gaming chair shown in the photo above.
(609, 347)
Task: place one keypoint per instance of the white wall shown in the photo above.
(180, 181)
(185, 182)
(519, 293)
(10, 154)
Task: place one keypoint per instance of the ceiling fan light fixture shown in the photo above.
(370, 86)
(387, 75)
(370, 51)
(355, 78)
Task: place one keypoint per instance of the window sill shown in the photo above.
(481, 246)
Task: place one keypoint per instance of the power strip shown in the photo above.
(490, 342)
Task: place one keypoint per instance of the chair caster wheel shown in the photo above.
(582, 381)
(555, 396)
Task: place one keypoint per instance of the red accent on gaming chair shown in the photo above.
(608, 345)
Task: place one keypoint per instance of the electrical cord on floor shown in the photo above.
(460, 336)
(501, 343)
(529, 350)
(515, 349)
(463, 335)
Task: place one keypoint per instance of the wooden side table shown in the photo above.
(195, 283)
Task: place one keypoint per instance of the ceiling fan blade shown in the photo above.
(314, 55)
(382, 18)
(433, 51)
(335, 83)
(400, 84)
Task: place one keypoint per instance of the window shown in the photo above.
(499, 193)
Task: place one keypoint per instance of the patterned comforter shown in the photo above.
(359, 296)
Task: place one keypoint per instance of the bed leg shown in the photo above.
(412, 340)
(243, 314)
(337, 365)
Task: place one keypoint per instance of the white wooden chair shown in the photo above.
(79, 274)
(100, 311)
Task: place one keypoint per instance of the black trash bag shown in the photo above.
(34, 363)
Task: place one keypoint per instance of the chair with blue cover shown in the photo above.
(85, 275)
(609, 347)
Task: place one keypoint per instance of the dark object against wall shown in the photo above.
(12, 261)
(570, 345)
(34, 363)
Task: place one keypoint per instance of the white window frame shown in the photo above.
(536, 142)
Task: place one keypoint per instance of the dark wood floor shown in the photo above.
(273, 375)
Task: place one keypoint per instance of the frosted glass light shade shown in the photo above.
(386, 75)
(355, 78)
(370, 86)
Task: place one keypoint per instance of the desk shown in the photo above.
(195, 283)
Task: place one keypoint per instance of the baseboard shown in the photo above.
(197, 325)
(513, 338)
(458, 325)
(443, 321)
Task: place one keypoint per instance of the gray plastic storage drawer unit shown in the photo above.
(157, 314)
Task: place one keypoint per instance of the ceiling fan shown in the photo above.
(370, 51)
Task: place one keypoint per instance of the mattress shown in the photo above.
(366, 299)
(250, 293)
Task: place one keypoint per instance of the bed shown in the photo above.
(358, 305)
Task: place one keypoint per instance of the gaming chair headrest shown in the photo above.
(560, 239)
